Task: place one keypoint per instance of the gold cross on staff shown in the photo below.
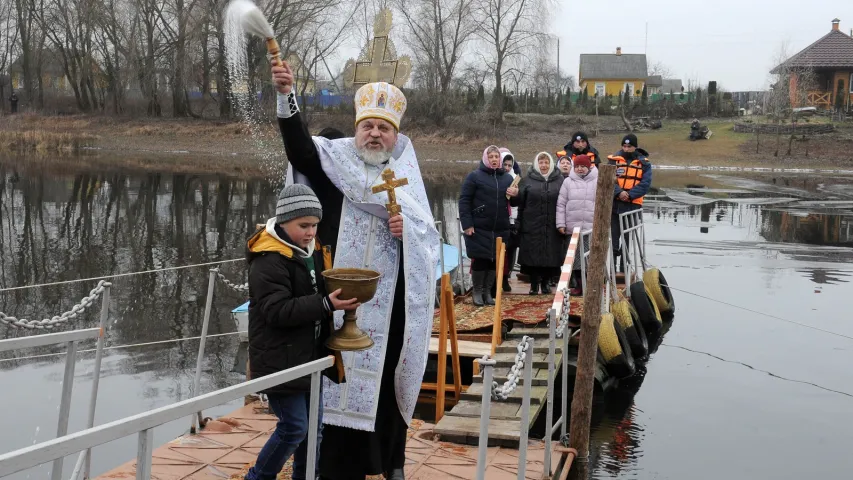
(388, 186)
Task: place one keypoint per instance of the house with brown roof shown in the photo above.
(830, 61)
(612, 74)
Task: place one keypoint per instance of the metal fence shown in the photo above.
(102, 291)
(632, 242)
(70, 339)
(144, 423)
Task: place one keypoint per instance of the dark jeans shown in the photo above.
(289, 438)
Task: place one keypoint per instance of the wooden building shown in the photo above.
(829, 61)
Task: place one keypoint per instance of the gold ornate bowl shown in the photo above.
(355, 283)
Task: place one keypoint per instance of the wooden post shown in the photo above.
(585, 376)
(447, 325)
(454, 341)
(500, 250)
(442, 352)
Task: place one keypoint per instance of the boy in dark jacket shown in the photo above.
(289, 321)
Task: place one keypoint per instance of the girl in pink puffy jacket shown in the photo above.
(576, 206)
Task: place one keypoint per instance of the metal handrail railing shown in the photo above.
(560, 309)
(71, 338)
(488, 365)
(634, 253)
(144, 423)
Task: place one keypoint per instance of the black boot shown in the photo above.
(396, 474)
(506, 286)
(546, 289)
(479, 278)
(487, 294)
(534, 284)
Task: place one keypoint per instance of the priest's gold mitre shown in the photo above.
(380, 100)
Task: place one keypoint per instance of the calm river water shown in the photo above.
(730, 393)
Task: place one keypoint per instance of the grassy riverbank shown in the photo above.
(231, 148)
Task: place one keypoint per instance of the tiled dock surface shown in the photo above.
(228, 446)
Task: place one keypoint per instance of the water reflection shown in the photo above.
(78, 225)
(617, 434)
(811, 228)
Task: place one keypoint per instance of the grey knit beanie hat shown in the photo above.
(296, 201)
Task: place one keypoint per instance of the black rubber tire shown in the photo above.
(659, 290)
(646, 309)
(622, 364)
(634, 331)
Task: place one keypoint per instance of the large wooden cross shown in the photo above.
(388, 185)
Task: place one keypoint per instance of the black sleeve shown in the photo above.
(466, 199)
(300, 148)
(270, 284)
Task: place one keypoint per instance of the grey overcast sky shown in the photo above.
(731, 41)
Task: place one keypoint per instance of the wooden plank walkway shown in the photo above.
(462, 423)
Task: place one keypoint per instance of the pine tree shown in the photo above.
(644, 97)
(839, 96)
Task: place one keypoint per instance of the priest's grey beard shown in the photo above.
(373, 157)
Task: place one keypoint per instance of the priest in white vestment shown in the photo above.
(366, 417)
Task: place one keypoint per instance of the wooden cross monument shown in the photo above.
(378, 61)
(388, 185)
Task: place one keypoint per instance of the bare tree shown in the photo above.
(789, 89)
(69, 25)
(8, 45)
(326, 32)
(24, 22)
(661, 69)
(509, 28)
(146, 52)
(114, 26)
(438, 33)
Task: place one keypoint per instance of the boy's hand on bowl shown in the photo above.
(346, 305)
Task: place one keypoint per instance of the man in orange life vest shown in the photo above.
(633, 179)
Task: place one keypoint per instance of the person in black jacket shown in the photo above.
(484, 213)
(542, 247)
(579, 145)
(633, 180)
(290, 318)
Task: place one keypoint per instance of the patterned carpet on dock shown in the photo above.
(526, 309)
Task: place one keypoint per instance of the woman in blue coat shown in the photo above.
(484, 213)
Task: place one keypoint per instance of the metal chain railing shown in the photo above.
(563, 323)
(240, 288)
(502, 392)
(57, 320)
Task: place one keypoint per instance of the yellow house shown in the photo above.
(612, 73)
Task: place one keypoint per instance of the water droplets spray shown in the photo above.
(243, 17)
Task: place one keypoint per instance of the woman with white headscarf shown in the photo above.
(541, 245)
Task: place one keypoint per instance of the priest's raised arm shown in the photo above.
(304, 158)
